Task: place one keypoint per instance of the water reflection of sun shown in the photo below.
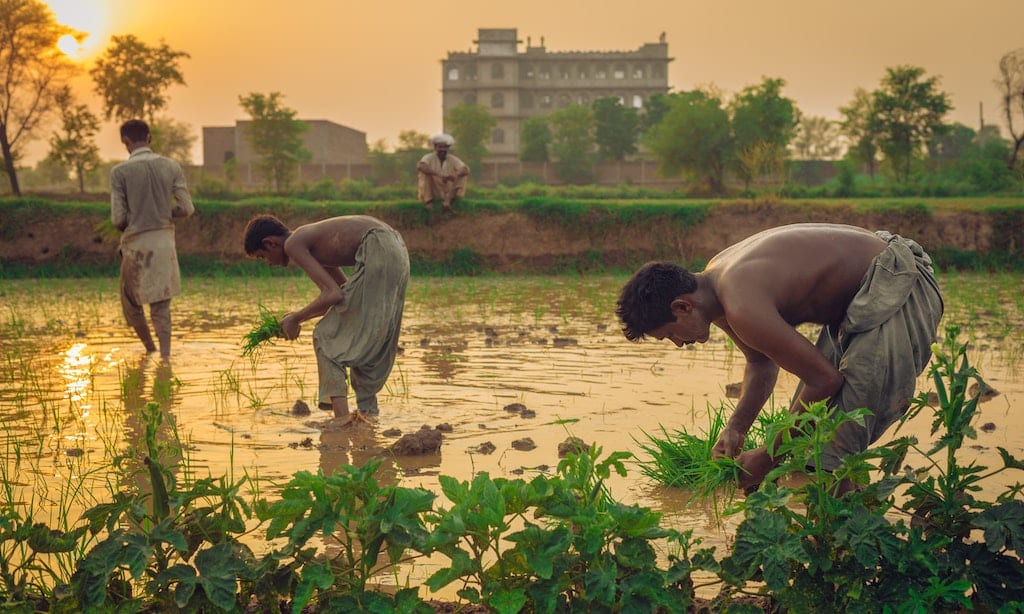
(77, 373)
(92, 17)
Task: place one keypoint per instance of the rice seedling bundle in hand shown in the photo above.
(266, 329)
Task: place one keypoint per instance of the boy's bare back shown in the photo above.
(334, 242)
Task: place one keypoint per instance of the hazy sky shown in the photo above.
(376, 66)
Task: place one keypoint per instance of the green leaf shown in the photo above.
(508, 601)
(1004, 526)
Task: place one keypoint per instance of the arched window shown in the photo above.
(619, 72)
(497, 100)
(453, 74)
(638, 101)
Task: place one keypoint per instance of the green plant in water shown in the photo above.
(684, 460)
(266, 329)
(908, 540)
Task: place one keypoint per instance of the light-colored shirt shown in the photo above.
(146, 191)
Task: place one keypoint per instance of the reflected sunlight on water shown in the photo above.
(470, 349)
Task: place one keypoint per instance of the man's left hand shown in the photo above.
(756, 465)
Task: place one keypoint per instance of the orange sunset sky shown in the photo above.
(375, 66)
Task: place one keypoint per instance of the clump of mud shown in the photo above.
(425, 441)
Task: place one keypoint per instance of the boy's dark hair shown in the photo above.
(135, 130)
(260, 227)
(645, 302)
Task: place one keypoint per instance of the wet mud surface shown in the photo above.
(501, 376)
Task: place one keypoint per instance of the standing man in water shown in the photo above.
(146, 192)
(874, 295)
(362, 314)
(441, 176)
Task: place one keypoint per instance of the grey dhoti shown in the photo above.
(883, 344)
(361, 332)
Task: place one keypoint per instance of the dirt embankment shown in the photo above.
(508, 240)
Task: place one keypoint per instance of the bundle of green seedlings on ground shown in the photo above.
(684, 460)
(266, 329)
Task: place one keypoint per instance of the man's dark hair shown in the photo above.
(135, 130)
(645, 302)
(260, 227)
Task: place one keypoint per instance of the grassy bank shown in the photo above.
(46, 238)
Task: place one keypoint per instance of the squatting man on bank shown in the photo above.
(874, 295)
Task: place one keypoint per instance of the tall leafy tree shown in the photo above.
(74, 146)
(572, 139)
(1011, 91)
(34, 73)
(616, 128)
(470, 125)
(655, 109)
(816, 138)
(693, 138)
(276, 136)
(862, 131)
(173, 139)
(763, 124)
(132, 77)
(534, 139)
(909, 108)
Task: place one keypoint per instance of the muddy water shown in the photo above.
(74, 380)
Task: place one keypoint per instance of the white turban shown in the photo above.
(442, 139)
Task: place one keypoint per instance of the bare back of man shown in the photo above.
(807, 273)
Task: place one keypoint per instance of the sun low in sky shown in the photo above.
(88, 16)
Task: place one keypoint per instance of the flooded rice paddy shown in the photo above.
(509, 367)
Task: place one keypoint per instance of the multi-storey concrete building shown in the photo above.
(515, 84)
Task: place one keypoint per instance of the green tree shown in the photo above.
(655, 109)
(572, 139)
(413, 140)
(1011, 91)
(816, 138)
(910, 108)
(470, 125)
(384, 163)
(173, 139)
(132, 77)
(74, 146)
(534, 139)
(34, 73)
(861, 128)
(616, 128)
(763, 124)
(276, 136)
(693, 138)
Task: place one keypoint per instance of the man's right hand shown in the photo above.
(290, 326)
(729, 444)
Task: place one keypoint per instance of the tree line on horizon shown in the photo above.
(897, 130)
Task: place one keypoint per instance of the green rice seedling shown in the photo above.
(266, 329)
(684, 460)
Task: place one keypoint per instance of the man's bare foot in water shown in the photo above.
(352, 419)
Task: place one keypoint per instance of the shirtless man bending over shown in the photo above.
(362, 314)
(874, 295)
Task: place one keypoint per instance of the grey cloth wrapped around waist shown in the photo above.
(361, 332)
(883, 344)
